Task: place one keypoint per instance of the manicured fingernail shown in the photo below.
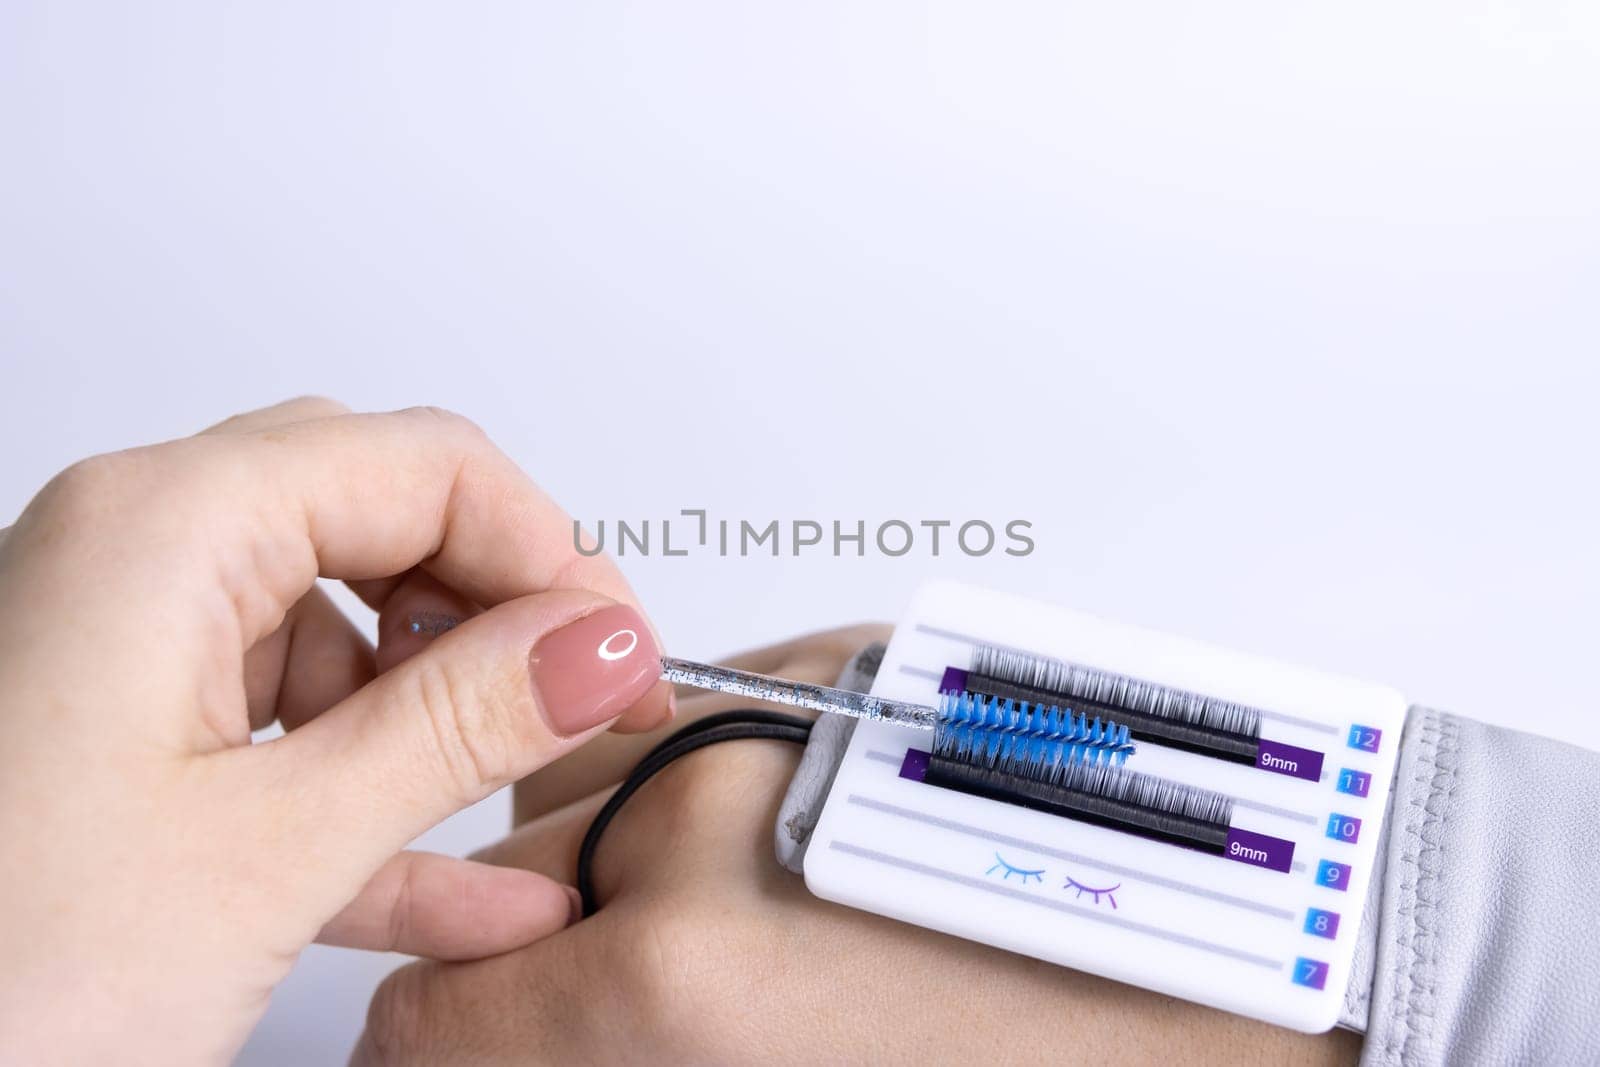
(576, 899)
(590, 671)
(432, 623)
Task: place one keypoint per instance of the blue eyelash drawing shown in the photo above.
(1024, 874)
(1092, 891)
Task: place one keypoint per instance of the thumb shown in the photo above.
(490, 701)
(445, 908)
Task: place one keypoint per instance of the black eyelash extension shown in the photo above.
(1172, 717)
(1083, 788)
(1091, 786)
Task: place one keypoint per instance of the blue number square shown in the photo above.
(1366, 738)
(1345, 828)
(1313, 974)
(1333, 875)
(1321, 923)
(1355, 783)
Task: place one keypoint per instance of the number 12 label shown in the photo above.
(1366, 738)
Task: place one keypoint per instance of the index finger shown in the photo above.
(373, 495)
(376, 494)
(347, 496)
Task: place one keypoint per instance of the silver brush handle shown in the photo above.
(797, 694)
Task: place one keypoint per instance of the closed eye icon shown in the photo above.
(1008, 870)
(1094, 891)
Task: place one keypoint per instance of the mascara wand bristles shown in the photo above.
(1041, 757)
(992, 720)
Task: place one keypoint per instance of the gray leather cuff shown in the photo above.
(1487, 948)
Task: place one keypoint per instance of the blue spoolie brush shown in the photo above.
(1038, 731)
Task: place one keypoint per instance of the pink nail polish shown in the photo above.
(590, 671)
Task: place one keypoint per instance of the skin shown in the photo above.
(706, 951)
(156, 605)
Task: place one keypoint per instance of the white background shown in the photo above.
(1279, 322)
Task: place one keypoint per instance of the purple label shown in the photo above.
(1287, 759)
(954, 680)
(915, 765)
(1258, 850)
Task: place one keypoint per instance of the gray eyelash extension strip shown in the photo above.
(1176, 718)
(1088, 789)
(1112, 797)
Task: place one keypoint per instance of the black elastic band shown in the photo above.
(711, 730)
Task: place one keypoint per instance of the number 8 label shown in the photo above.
(1321, 923)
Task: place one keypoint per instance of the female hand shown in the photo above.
(161, 872)
(706, 951)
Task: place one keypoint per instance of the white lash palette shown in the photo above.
(1262, 921)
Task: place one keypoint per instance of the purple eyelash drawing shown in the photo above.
(1023, 873)
(1092, 891)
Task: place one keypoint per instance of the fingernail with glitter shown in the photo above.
(590, 671)
(432, 623)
